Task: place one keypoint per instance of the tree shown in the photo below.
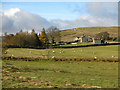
(21, 31)
(33, 31)
(25, 39)
(53, 33)
(103, 35)
(35, 40)
(20, 39)
(4, 47)
(5, 34)
(9, 39)
(43, 37)
(4, 43)
(118, 39)
(114, 38)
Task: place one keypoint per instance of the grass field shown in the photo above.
(83, 52)
(61, 74)
(56, 74)
(67, 45)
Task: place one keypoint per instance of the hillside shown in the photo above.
(70, 34)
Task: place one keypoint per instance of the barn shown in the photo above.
(97, 40)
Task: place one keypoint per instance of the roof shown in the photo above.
(97, 39)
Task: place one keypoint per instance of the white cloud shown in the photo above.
(103, 10)
(100, 14)
(11, 12)
(85, 21)
(15, 19)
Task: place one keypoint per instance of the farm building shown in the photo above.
(90, 39)
(97, 40)
(84, 39)
(77, 39)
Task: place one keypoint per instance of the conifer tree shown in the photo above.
(43, 37)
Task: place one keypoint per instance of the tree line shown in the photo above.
(106, 36)
(44, 39)
(26, 39)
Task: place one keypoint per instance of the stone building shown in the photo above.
(84, 39)
(97, 40)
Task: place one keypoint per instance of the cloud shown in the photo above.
(103, 9)
(99, 14)
(15, 19)
(84, 21)
(11, 12)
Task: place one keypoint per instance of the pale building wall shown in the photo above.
(96, 41)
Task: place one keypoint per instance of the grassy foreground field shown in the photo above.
(56, 74)
(83, 52)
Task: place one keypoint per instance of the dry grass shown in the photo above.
(65, 74)
(69, 34)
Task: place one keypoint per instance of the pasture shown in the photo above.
(83, 52)
(56, 74)
(67, 45)
(61, 74)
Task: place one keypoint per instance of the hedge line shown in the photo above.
(59, 59)
(106, 44)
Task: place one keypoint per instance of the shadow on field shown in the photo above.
(12, 68)
(27, 69)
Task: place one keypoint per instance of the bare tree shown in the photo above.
(53, 34)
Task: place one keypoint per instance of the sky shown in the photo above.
(36, 15)
(49, 10)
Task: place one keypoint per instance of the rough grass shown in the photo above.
(83, 52)
(70, 34)
(65, 74)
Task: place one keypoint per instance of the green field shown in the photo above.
(67, 45)
(56, 74)
(61, 74)
(83, 52)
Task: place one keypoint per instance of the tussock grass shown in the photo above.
(52, 74)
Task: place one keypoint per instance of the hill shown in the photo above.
(70, 34)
